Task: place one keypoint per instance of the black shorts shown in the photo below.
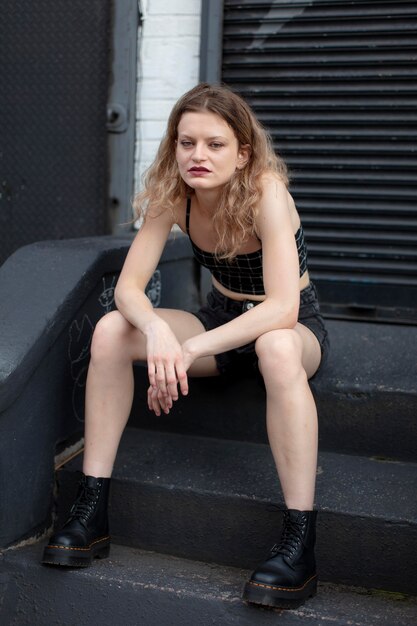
(220, 309)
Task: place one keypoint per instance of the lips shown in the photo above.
(198, 169)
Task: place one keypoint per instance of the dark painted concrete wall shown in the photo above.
(55, 292)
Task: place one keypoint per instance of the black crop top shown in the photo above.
(244, 273)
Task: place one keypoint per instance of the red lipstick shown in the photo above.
(198, 171)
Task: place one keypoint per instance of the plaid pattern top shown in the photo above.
(244, 273)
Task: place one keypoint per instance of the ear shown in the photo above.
(243, 156)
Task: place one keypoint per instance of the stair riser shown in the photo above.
(369, 423)
(359, 551)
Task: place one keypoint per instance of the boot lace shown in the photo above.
(292, 537)
(84, 505)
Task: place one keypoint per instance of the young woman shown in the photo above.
(215, 176)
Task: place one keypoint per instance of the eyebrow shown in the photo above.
(185, 136)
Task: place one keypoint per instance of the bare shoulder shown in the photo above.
(159, 214)
(277, 199)
(271, 182)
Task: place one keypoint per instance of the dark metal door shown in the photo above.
(54, 77)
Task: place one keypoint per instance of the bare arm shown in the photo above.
(140, 263)
(281, 280)
(164, 353)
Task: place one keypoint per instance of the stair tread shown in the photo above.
(143, 587)
(351, 485)
(385, 364)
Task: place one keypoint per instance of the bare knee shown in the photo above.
(280, 357)
(111, 338)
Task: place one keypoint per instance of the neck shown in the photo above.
(208, 200)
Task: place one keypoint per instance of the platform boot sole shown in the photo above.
(67, 556)
(279, 597)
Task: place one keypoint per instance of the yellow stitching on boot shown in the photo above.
(80, 549)
(252, 582)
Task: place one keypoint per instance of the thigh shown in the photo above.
(115, 334)
(311, 354)
(185, 325)
(312, 329)
(132, 342)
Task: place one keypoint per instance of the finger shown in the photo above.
(149, 397)
(155, 399)
(161, 378)
(151, 373)
(172, 383)
(153, 402)
(156, 405)
(165, 402)
(182, 378)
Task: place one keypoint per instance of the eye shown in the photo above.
(185, 143)
(216, 145)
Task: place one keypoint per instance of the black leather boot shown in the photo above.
(288, 577)
(85, 534)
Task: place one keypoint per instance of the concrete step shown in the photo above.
(215, 501)
(366, 397)
(137, 588)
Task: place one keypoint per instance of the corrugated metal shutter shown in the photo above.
(335, 83)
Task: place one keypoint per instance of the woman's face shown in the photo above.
(207, 151)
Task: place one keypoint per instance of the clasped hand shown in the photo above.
(168, 362)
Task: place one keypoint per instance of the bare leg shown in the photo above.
(287, 358)
(110, 384)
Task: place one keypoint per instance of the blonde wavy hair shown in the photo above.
(234, 218)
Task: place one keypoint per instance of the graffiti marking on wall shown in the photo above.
(106, 298)
(80, 335)
(153, 289)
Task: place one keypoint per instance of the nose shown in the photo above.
(199, 152)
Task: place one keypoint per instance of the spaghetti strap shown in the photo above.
(187, 216)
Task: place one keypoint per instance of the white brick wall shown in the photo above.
(168, 65)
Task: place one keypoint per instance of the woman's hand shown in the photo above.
(166, 368)
(158, 402)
